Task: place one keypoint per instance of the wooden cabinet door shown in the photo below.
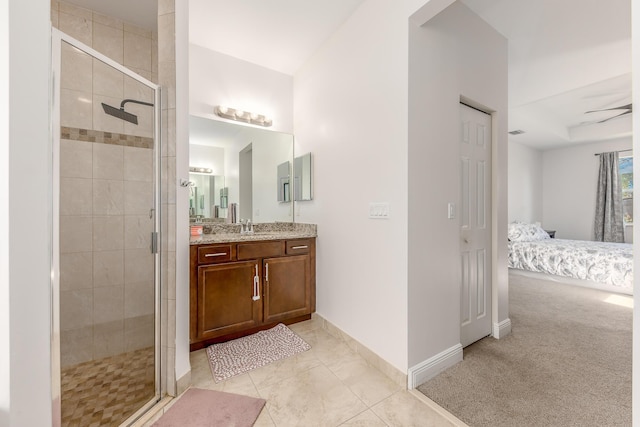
(287, 287)
(227, 298)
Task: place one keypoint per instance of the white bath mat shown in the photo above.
(235, 357)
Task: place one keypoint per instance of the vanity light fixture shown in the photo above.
(242, 116)
(194, 169)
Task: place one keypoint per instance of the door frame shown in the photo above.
(490, 214)
(57, 38)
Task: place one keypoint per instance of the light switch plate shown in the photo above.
(379, 210)
(451, 210)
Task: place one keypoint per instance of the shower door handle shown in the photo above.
(154, 242)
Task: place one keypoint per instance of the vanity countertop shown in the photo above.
(270, 231)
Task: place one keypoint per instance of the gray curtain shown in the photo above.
(609, 226)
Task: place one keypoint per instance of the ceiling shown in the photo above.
(565, 57)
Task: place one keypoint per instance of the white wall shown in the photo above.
(570, 176)
(29, 231)
(359, 146)
(452, 55)
(205, 156)
(5, 331)
(182, 364)
(218, 79)
(525, 183)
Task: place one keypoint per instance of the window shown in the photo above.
(626, 180)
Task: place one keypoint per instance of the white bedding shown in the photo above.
(601, 262)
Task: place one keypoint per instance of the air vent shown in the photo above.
(516, 132)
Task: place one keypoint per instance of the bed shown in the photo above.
(600, 265)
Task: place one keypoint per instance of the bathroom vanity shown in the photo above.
(240, 284)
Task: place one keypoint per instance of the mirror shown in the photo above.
(302, 177)
(284, 174)
(207, 198)
(248, 159)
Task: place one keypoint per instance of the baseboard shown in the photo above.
(502, 329)
(183, 383)
(431, 367)
(367, 354)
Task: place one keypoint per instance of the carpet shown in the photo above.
(235, 357)
(567, 362)
(209, 408)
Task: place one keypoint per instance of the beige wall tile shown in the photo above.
(107, 20)
(108, 233)
(154, 55)
(171, 229)
(167, 73)
(75, 234)
(76, 159)
(108, 161)
(76, 271)
(108, 304)
(108, 339)
(139, 332)
(76, 309)
(109, 41)
(107, 81)
(138, 30)
(138, 164)
(76, 196)
(138, 266)
(76, 110)
(54, 18)
(76, 69)
(170, 292)
(108, 268)
(108, 197)
(137, 51)
(166, 37)
(137, 231)
(76, 346)
(166, 6)
(171, 372)
(74, 10)
(171, 133)
(139, 299)
(135, 90)
(145, 121)
(171, 180)
(78, 27)
(171, 322)
(138, 197)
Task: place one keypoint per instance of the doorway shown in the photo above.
(106, 182)
(475, 224)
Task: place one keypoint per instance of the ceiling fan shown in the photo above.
(626, 109)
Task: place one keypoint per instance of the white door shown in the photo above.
(475, 224)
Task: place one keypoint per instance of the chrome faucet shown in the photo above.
(246, 227)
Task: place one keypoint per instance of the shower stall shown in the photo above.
(106, 262)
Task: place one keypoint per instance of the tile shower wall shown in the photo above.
(106, 269)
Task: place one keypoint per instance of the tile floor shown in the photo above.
(107, 391)
(329, 385)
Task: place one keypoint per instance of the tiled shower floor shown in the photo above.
(106, 392)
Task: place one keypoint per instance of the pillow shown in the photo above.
(522, 232)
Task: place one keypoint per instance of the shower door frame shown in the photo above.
(57, 38)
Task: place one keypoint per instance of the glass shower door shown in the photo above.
(106, 186)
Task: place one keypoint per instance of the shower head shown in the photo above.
(121, 114)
